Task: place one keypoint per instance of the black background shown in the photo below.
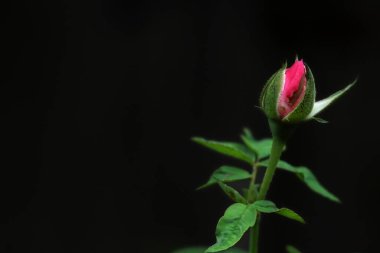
(99, 100)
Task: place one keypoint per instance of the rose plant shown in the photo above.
(287, 99)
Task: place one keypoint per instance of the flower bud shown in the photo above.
(289, 95)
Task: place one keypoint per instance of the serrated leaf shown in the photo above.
(266, 206)
(251, 144)
(292, 249)
(245, 192)
(264, 147)
(261, 148)
(237, 219)
(281, 165)
(226, 174)
(247, 132)
(231, 149)
(321, 105)
(307, 176)
(203, 249)
(290, 214)
(232, 193)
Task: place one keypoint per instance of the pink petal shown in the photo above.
(294, 88)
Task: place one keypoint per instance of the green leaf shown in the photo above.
(290, 214)
(307, 176)
(232, 149)
(281, 165)
(264, 147)
(247, 132)
(226, 174)
(237, 219)
(261, 148)
(203, 249)
(234, 250)
(250, 143)
(292, 249)
(232, 193)
(324, 103)
(266, 206)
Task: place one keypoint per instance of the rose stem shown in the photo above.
(280, 134)
(277, 147)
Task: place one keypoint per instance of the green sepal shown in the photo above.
(306, 176)
(237, 219)
(226, 174)
(292, 249)
(233, 194)
(231, 149)
(271, 93)
(266, 206)
(303, 109)
(321, 105)
(320, 120)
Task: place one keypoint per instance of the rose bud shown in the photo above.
(289, 95)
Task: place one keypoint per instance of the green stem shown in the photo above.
(277, 147)
(251, 190)
(254, 237)
(281, 133)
